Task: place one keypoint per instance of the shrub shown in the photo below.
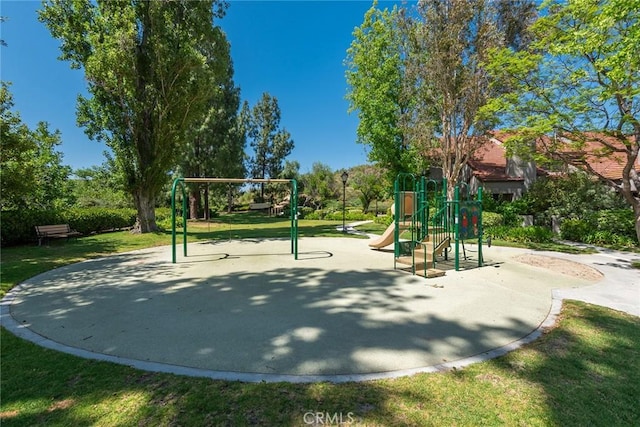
(383, 219)
(315, 215)
(305, 212)
(531, 234)
(331, 215)
(19, 226)
(491, 219)
(575, 229)
(612, 227)
(510, 213)
(95, 220)
(616, 221)
(350, 215)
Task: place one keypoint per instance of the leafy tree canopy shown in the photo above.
(271, 144)
(578, 86)
(375, 71)
(370, 183)
(150, 68)
(31, 170)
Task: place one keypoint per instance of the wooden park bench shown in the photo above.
(259, 206)
(45, 232)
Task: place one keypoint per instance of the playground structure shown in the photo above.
(427, 225)
(180, 182)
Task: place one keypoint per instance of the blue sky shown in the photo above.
(294, 50)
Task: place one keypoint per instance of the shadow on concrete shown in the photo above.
(287, 320)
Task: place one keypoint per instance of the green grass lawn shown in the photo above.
(585, 371)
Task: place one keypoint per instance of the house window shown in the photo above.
(507, 197)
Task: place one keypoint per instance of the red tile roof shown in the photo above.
(489, 162)
(606, 155)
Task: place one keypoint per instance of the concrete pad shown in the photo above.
(247, 310)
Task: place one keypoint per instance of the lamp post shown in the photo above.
(344, 177)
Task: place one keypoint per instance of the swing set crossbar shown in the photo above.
(237, 180)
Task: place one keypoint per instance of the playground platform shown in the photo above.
(246, 310)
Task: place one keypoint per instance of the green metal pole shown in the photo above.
(456, 225)
(422, 206)
(173, 220)
(480, 228)
(294, 218)
(184, 218)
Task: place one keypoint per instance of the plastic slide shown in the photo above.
(386, 239)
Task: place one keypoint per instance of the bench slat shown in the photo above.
(55, 230)
(259, 206)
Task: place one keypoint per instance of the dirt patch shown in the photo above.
(6, 415)
(61, 404)
(562, 266)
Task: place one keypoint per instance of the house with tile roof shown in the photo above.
(509, 177)
(598, 154)
(501, 176)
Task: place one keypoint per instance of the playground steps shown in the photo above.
(430, 272)
(430, 247)
(408, 260)
(420, 269)
(422, 262)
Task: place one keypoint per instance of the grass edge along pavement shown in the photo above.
(584, 371)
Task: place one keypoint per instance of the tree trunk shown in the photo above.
(194, 203)
(230, 200)
(207, 215)
(145, 205)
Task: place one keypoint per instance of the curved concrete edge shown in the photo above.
(23, 331)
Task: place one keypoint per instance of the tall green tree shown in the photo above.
(100, 186)
(369, 181)
(446, 77)
(216, 146)
(150, 77)
(271, 144)
(290, 170)
(375, 71)
(578, 84)
(320, 185)
(417, 82)
(17, 170)
(32, 174)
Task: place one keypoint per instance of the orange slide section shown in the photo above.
(385, 240)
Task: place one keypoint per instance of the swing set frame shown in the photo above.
(180, 182)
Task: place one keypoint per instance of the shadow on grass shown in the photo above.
(584, 372)
(589, 367)
(301, 317)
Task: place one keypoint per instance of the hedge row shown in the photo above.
(531, 234)
(605, 228)
(350, 215)
(18, 227)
